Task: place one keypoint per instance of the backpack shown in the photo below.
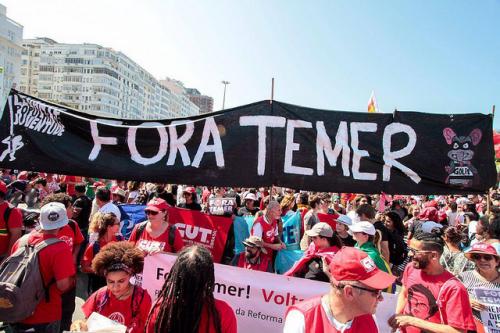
(171, 233)
(96, 246)
(21, 283)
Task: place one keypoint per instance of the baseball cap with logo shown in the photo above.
(363, 226)
(483, 248)
(351, 264)
(320, 229)
(157, 205)
(53, 216)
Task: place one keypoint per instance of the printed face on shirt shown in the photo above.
(118, 282)
(421, 301)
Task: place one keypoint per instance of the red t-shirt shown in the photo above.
(121, 310)
(56, 262)
(71, 238)
(226, 313)
(147, 243)
(71, 181)
(15, 221)
(89, 254)
(430, 295)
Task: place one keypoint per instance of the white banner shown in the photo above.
(259, 299)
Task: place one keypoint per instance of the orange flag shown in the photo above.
(372, 104)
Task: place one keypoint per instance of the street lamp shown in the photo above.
(225, 83)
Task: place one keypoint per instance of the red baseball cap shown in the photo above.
(351, 264)
(483, 248)
(190, 189)
(157, 204)
(3, 187)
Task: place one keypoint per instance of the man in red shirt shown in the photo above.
(10, 230)
(356, 286)
(56, 267)
(266, 227)
(71, 235)
(431, 299)
(252, 258)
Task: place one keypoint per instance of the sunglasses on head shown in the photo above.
(151, 212)
(477, 256)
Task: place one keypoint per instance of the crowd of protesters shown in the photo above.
(435, 250)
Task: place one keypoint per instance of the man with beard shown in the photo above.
(356, 286)
(431, 298)
(252, 258)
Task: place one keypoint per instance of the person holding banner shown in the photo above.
(323, 247)
(254, 256)
(485, 276)
(356, 286)
(266, 227)
(156, 234)
(120, 300)
(186, 302)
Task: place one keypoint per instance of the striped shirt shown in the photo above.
(472, 280)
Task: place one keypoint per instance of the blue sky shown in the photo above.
(430, 56)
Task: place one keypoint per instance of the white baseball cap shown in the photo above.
(428, 226)
(53, 216)
(344, 219)
(363, 226)
(250, 196)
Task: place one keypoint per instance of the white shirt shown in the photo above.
(111, 208)
(295, 320)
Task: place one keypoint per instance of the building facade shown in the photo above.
(11, 36)
(97, 80)
(205, 103)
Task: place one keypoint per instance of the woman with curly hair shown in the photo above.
(106, 227)
(186, 303)
(120, 300)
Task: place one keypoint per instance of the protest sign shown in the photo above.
(201, 229)
(255, 145)
(259, 299)
(221, 206)
(491, 316)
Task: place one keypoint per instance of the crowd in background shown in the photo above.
(459, 234)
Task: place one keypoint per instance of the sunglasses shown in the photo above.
(486, 257)
(374, 292)
(151, 212)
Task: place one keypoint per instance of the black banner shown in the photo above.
(259, 144)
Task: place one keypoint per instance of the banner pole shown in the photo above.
(272, 91)
(488, 201)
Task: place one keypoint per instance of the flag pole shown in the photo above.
(488, 201)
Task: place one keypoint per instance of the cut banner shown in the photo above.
(259, 144)
(195, 227)
(259, 299)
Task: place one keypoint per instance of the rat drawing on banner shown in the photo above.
(460, 171)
